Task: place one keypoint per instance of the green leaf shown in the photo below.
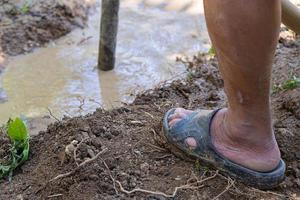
(291, 83)
(17, 131)
(18, 135)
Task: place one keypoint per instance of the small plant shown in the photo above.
(25, 7)
(290, 84)
(18, 135)
(212, 51)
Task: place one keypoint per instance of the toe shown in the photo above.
(178, 115)
(174, 121)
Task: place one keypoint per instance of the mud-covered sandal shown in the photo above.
(197, 125)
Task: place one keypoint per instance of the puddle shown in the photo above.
(63, 76)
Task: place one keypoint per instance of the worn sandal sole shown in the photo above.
(197, 125)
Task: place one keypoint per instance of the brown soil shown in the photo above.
(135, 156)
(24, 26)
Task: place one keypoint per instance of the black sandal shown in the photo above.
(197, 125)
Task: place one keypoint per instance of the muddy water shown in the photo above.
(63, 76)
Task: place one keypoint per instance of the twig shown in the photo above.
(238, 191)
(111, 177)
(269, 192)
(229, 185)
(154, 134)
(50, 113)
(138, 142)
(133, 147)
(192, 178)
(183, 93)
(158, 193)
(78, 167)
(54, 195)
(255, 190)
(76, 148)
(82, 103)
(158, 106)
(201, 175)
(84, 40)
(187, 186)
(149, 114)
(154, 146)
(163, 156)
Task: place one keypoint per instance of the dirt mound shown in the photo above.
(129, 154)
(28, 24)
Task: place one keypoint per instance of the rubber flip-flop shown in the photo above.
(197, 125)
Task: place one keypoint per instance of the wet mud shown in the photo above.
(29, 24)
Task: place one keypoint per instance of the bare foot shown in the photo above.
(239, 143)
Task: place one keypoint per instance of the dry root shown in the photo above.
(81, 165)
(195, 185)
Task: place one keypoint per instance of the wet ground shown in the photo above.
(133, 162)
(63, 77)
